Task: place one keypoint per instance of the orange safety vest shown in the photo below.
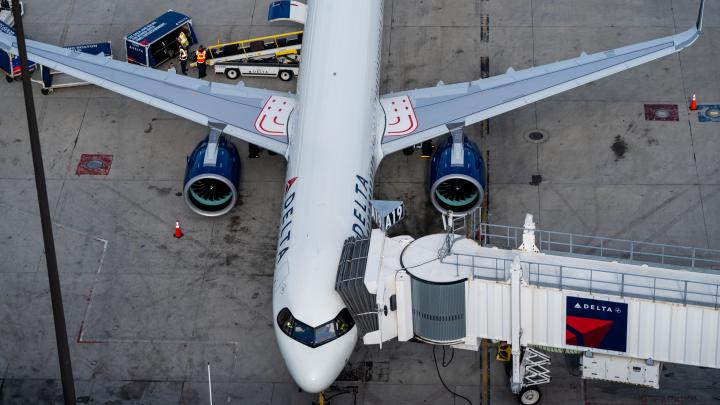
(200, 56)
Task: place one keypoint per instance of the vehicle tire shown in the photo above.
(170, 53)
(530, 395)
(285, 75)
(408, 151)
(9, 79)
(232, 74)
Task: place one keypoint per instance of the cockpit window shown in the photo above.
(318, 336)
(325, 333)
(344, 321)
(285, 321)
(302, 332)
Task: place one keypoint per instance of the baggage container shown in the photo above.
(157, 41)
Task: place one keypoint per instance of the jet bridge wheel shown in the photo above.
(530, 395)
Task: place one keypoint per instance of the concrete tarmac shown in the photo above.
(147, 312)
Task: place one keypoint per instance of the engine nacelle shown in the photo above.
(212, 176)
(457, 175)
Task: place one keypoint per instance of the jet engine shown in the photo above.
(457, 175)
(212, 176)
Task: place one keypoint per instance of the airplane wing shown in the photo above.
(253, 115)
(415, 116)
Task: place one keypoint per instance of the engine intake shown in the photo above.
(457, 175)
(212, 176)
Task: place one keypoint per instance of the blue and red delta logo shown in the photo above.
(290, 183)
(596, 324)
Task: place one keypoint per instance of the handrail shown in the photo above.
(609, 248)
(276, 36)
(591, 280)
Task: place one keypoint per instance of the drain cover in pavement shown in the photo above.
(94, 165)
(536, 136)
(661, 112)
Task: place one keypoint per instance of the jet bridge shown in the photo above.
(627, 306)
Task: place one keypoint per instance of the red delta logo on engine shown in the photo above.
(286, 221)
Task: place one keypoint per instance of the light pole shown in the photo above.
(68, 385)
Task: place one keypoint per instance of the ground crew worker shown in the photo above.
(183, 56)
(182, 40)
(200, 55)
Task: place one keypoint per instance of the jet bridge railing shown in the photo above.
(592, 280)
(610, 248)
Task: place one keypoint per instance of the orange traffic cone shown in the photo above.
(693, 103)
(178, 233)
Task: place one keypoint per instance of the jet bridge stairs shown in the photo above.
(626, 306)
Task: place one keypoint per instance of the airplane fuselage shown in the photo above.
(333, 135)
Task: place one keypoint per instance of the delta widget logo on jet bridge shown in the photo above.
(596, 324)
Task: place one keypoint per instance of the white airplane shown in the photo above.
(334, 132)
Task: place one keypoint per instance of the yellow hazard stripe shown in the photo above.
(286, 52)
(245, 41)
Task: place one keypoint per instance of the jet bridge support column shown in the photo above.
(516, 331)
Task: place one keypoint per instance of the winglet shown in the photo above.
(698, 25)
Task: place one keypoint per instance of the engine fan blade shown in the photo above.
(211, 192)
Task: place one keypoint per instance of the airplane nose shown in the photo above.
(315, 369)
(315, 378)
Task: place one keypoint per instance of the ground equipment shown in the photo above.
(272, 67)
(159, 40)
(10, 63)
(52, 79)
(282, 47)
(287, 10)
